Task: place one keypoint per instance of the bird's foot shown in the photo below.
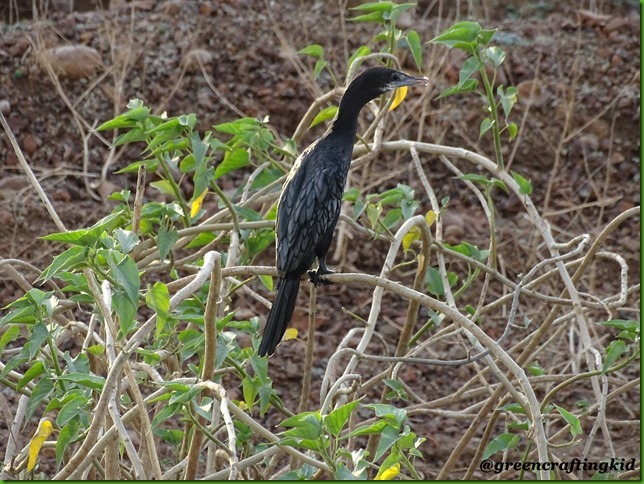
(317, 276)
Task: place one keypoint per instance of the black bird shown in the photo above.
(309, 206)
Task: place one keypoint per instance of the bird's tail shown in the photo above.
(280, 314)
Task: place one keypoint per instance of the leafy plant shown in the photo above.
(327, 437)
(475, 41)
(150, 287)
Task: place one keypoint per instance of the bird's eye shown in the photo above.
(396, 77)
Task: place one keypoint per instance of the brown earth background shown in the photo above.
(579, 146)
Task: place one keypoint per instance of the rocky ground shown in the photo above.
(579, 140)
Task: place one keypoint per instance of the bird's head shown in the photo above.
(370, 84)
(378, 80)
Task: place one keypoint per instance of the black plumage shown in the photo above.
(309, 205)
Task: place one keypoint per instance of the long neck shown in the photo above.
(352, 102)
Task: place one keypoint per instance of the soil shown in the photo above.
(578, 145)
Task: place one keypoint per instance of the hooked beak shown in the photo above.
(409, 81)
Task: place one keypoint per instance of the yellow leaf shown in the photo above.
(196, 204)
(430, 217)
(291, 333)
(388, 474)
(400, 94)
(410, 237)
(45, 428)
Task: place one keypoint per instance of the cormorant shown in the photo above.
(309, 206)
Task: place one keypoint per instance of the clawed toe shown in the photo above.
(317, 278)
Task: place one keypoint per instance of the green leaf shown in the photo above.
(344, 474)
(467, 86)
(307, 425)
(338, 418)
(508, 99)
(398, 390)
(127, 274)
(248, 213)
(39, 335)
(118, 122)
(72, 258)
(96, 350)
(87, 237)
(158, 299)
(127, 240)
(319, 65)
(486, 124)
(384, 6)
(175, 386)
(575, 426)
(168, 412)
(313, 50)
(267, 281)
(501, 443)
(388, 437)
(71, 409)
(188, 120)
(514, 407)
(389, 468)
(132, 136)
(249, 389)
(362, 51)
(202, 173)
(168, 125)
(416, 49)
(173, 134)
(150, 166)
(496, 55)
(260, 241)
(470, 66)
(10, 334)
(470, 250)
(324, 115)
(500, 184)
(204, 238)
(374, 428)
(525, 187)
(184, 397)
(300, 420)
(389, 412)
(127, 119)
(373, 17)
(22, 315)
(233, 160)
(239, 126)
(408, 208)
(373, 214)
(351, 195)
(40, 391)
(199, 148)
(85, 379)
(125, 309)
(393, 216)
(623, 324)
(536, 370)
(512, 130)
(178, 144)
(166, 240)
(460, 33)
(614, 350)
(485, 36)
(37, 369)
(68, 433)
(265, 394)
(434, 282)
